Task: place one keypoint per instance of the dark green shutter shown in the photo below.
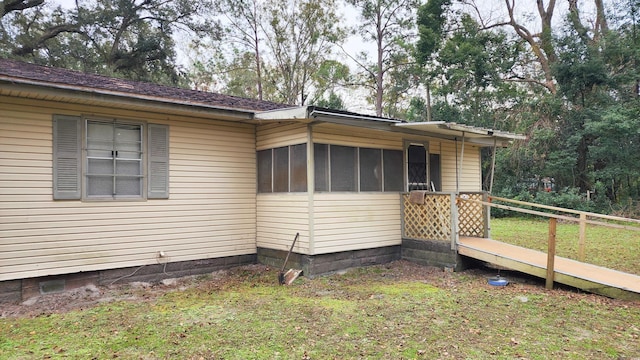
(158, 157)
(67, 155)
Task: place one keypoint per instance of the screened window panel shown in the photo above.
(100, 132)
(128, 167)
(435, 171)
(281, 169)
(321, 166)
(370, 169)
(265, 165)
(393, 173)
(343, 168)
(299, 168)
(101, 166)
(99, 186)
(128, 141)
(127, 186)
(99, 139)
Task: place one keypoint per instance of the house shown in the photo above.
(104, 179)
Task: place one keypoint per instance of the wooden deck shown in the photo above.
(591, 278)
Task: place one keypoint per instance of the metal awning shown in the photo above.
(439, 129)
(473, 134)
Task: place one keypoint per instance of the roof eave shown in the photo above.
(111, 97)
(478, 136)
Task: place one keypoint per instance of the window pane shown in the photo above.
(99, 139)
(99, 132)
(435, 171)
(128, 167)
(264, 171)
(343, 168)
(299, 168)
(99, 186)
(128, 141)
(321, 166)
(370, 169)
(126, 186)
(100, 166)
(417, 167)
(393, 179)
(281, 169)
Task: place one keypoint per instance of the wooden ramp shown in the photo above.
(591, 278)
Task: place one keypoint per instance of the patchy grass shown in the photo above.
(397, 311)
(613, 248)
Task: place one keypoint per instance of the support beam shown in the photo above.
(551, 253)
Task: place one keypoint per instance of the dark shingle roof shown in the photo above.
(18, 71)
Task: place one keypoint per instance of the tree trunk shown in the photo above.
(380, 69)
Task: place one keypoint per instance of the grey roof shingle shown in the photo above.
(21, 71)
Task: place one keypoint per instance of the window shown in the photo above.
(345, 168)
(321, 166)
(282, 169)
(370, 169)
(299, 168)
(417, 167)
(265, 164)
(393, 179)
(344, 172)
(113, 160)
(423, 174)
(435, 172)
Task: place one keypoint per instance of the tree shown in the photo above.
(300, 36)
(390, 25)
(475, 67)
(7, 6)
(431, 21)
(126, 38)
(244, 34)
(540, 43)
(329, 78)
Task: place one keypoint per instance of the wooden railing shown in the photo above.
(583, 218)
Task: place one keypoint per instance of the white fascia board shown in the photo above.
(298, 112)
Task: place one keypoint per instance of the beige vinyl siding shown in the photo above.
(355, 221)
(357, 137)
(471, 176)
(210, 213)
(280, 217)
(270, 136)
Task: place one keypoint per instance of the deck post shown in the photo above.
(551, 252)
(582, 237)
(487, 216)
(454, 221)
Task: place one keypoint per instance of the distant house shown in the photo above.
(103, 179)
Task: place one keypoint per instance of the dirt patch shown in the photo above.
(90, 296)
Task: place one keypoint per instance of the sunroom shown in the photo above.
(340, 179)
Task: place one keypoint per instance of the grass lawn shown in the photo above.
(613, 248)
(395, 311)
